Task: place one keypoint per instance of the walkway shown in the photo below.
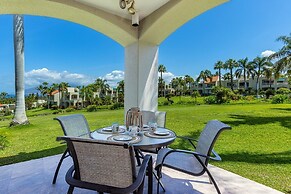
(35, 176)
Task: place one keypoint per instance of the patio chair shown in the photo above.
(193, 162)
(158, 117)
(74, 125)
(105, 166)
(133, 117)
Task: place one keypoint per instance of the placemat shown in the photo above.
(120, 130)
(135, 139)
(151, 134)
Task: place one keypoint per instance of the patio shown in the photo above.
(35, 176)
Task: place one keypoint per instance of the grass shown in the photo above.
(257, 147)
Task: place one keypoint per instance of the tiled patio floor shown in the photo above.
(35, 176)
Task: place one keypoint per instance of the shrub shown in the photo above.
(54, 107)
(92, 108)
(269, 92)
(70, 109)
(223, 95)
(116, 105)
(279, 98)
(210, 100)
(166, 103)
(3, 142)
(57, 111)
(283, 91)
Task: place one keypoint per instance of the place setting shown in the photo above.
(115, 128)
(160, 133)
(132, 135)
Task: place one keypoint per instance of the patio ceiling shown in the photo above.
(158, 18)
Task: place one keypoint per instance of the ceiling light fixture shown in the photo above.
(124, 3)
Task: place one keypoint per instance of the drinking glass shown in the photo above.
(115, 127)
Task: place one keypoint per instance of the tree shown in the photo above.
(120, 91)
(188, 81)
(162, 69)
(259, 63)
(101, 86)
(230, 64)
(3, 95)
(218, 66)
(268, 73)
(204, 75)
(20, 117)
(245, 69)
(283, 56)
(63, 87)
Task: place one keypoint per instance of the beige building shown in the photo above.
(263, 84)
(71, 97)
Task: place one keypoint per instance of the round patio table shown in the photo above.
(147, 139)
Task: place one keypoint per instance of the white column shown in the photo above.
(141, 76)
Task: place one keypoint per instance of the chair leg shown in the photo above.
(159, 183)
(137, 157)
(213, 181)
(70, 190)
(59, 165)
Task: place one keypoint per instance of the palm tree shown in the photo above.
(244, 68)
(162, 69)
(204, 75)
(120, 91)
(63, 87)
(20, 117)
(268, 73)
(227, 76)
(218, 66)
(101, 86)
(259, 63)
(283, 55)
(3, 95)
(188, 81)
(230, 64)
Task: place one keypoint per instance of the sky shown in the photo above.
(57, 50)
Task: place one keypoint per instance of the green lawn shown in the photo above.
(257, 147)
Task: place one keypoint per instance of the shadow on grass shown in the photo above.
(282, 109)
(257, 158)
(285, 121)
(23, 156)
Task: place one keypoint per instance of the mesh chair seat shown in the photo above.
(194, 163)
(74, 125)
(106, 166)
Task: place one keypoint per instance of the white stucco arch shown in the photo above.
(141, 44)
(116, 28)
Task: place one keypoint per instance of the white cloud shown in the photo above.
(36, 77)
(168, 76)
(267, 53)
(114, 77)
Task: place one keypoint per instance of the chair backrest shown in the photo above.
(208, 137)
(102, 162)
(161, 118)
(134, 117)
(150, 116)
(74, 125)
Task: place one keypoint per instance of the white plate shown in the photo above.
(122, 138)
(161, 132)
(107, 129)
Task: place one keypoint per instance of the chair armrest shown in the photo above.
(163, 153)
(146, 165)
(191, 140)
(216, 158)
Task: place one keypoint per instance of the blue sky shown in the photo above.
(57, 50)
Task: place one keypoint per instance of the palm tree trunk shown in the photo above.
(20, 114)
(219, 72)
